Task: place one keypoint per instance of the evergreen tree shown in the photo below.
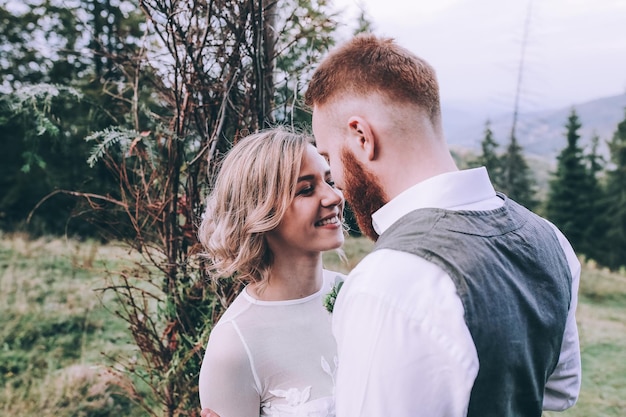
(595, 246)
(517, 181)
(45, 67)
(307, 32)
(489, 157)
(364, 24)
(594, 159)
(615, 214)
(570, 205)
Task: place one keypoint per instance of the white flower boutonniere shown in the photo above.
(331, 297)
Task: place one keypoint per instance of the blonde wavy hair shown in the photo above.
(254, 187)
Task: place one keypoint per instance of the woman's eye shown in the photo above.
(331, 183)
(306, 191)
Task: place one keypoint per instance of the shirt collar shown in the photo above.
(451, 190)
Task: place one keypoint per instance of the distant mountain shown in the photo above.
(542, 133)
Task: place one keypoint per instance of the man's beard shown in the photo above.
(363, 191)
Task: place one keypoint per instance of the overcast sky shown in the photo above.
(576, 49)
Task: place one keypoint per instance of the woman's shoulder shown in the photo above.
(240, 305)
(226, 364)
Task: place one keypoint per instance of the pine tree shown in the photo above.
(595, 246)
(594, 159)
(46, 67)
(570, 205)
(489, 157)
(517, 181)
(364, 23)
(615, 214)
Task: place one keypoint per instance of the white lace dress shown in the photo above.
(272, 358)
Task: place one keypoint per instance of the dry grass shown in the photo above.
(77, 390)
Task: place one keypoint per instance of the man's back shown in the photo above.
(514, 281)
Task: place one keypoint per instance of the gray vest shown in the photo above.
(515, 284)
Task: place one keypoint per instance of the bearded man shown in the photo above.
(466, 306)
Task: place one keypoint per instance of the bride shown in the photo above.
(273, 211)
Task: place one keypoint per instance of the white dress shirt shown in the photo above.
(404, 347)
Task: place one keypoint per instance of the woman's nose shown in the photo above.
(332, 196)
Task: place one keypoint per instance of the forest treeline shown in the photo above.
(80, 80)
(71, 81)
(114, 116)
(586, 195)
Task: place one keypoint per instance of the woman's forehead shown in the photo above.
(313, 161)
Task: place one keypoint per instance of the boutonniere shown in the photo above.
(331, 297)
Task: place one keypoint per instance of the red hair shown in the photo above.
(368, 64)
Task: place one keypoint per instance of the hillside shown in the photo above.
(540, 133)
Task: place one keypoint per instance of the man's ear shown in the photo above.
(362, 137)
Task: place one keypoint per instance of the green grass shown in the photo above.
(353, 251)
(57, 331)
(601, 320)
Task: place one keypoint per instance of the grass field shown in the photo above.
(601, 319)
(57, 332)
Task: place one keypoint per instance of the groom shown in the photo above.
(467, 304)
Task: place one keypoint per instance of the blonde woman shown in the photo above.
(273, 211)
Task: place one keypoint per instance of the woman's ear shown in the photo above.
(362, 137)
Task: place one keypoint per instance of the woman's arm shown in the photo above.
(227, 383)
